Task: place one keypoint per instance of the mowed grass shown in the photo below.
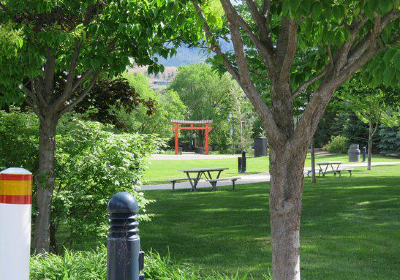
(161, 170)
(350, 227)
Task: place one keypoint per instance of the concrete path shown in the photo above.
(188, 156)
(245, 179)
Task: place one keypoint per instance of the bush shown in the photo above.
(338, 145)
(93, 161)
(93, 266)
(19, 139)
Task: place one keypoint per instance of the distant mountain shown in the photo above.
(186, 55)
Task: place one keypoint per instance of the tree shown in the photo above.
(166, 106)
(373, 106)
(207, 96)
(108, 93)
(390, 141)
(52, 52)
(334, 40)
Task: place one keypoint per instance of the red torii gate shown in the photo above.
(205, 125)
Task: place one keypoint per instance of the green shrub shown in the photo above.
(93, 162)
(19, 140)
(338, 145)
(93, 266)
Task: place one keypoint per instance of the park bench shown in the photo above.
(174, 181)
(214, 182)
(309, 171)
(350, 170)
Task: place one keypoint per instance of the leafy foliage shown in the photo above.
(93, 162)
(19, 139)
(390, 141)
(210, 96)
(118, 93)
(338, 145)
(93, 264)
(167, 106)
(104, 163)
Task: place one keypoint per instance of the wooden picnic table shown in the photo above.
(200, 171)
(323, 169)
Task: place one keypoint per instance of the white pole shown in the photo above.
(15, 223)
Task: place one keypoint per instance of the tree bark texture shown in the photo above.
(45, 181)
(286, 169)
(370, 135)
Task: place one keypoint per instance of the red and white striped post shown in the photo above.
(15, 223)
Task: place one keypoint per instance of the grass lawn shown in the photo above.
(161, 170)
(350, 226)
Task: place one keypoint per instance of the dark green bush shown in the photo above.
(93, 266)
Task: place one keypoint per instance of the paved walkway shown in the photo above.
(245, 179)
(188, 156)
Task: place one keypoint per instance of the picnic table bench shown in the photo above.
(327, 164)
(323, 170)
(198, 173)
(214, 182)
(174, 181)
(339, 170)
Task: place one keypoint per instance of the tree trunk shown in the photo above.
(369, 154)
(45, 180)
(369, 147)
(314, 179)
(53, 238)
(286, 168)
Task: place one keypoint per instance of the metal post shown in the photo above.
(244, 164)
(364, 153)
(176, 139)
(206, 139)
(124, 259)
(232, 131)
(15, 223)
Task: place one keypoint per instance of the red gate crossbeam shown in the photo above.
(193, 125)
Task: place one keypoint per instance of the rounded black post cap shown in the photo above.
(123, 202)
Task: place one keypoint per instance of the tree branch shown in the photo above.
(304, 85)
(48, 77)
(72, 69)
(262, 23)
(286, 48)
(360, 54)
(213, 42)
(371, 37)
(33, 103)
(81, 80)
(265, 53)
(242, 75)
(84, 93)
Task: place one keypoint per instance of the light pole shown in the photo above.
(230, 118)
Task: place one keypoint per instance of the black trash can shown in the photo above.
(260, 147)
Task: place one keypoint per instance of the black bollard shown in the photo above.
(244, 164)
(124, 259)
(239, 165)
(364, 153)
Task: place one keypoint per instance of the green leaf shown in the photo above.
(384, 6)
(388, 75)
(317, 10)
(389, 55)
